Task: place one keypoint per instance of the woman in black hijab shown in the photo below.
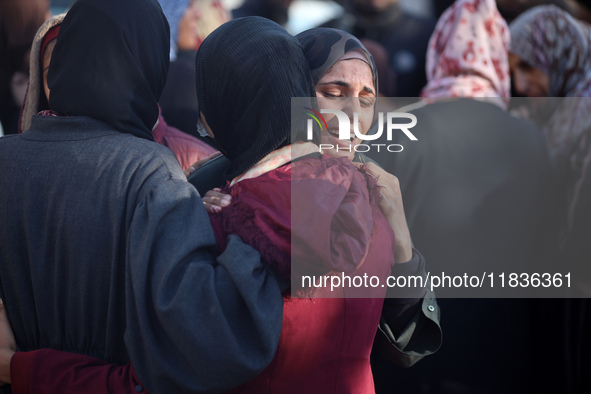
(110, 79)
(246, 76)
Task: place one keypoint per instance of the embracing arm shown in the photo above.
(49, 371)
(195, 323)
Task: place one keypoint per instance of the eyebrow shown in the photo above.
(346, 85)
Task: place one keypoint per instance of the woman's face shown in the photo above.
(351, 78)
(528, 80)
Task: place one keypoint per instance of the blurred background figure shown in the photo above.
(404, 36)
(550, 55)
(201, 18)
(477, 188)
(550, 52)
(276, 10)
(511, 9)
(387, 87)
(195, 19)
(19, 21)
(186, 148)
(173, 10)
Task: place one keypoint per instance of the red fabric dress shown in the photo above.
(330, 209)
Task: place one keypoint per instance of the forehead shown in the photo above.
(350, 71)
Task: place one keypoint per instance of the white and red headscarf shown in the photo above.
(467, 54)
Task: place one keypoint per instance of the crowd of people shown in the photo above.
(160, 198)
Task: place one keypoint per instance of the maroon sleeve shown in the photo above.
(52, 371)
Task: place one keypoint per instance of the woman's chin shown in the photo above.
(335, 147)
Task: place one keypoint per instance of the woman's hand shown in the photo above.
(214, 200)
(393, 209)
(201, 162)
(7, 346)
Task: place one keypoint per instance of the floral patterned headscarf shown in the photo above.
(551, 40)
(467, 53)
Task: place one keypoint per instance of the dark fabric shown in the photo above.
(277, 11)
(404, 35)
(110, 63)
(478, 195)
(178, 100)
(107, 251)
(210, 175)
(247, 71)
(324, 47)
(471, 180)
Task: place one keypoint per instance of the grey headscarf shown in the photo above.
(324, 47)
(551, 40)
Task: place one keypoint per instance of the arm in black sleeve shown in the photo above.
(409, 328)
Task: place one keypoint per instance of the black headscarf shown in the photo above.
(110, 63)
(324, 47)
(247, 71)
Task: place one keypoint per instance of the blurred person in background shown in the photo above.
(19, 21)
(275, 10)
(549, 57)
(403, 34)
(476, 187)
(186, 148)
(178, 100)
